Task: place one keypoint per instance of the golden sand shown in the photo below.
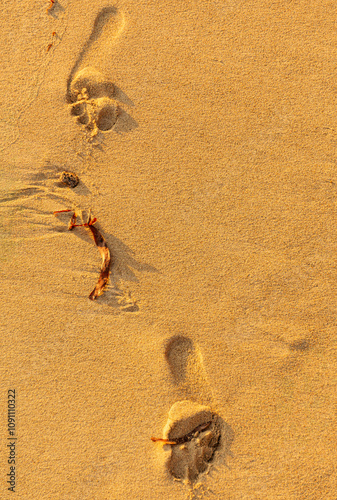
(203, 134)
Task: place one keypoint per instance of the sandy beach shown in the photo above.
(203, 135)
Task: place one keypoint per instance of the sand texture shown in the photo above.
(202, 136)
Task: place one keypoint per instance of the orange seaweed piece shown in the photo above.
(102, 248)
(52, 2)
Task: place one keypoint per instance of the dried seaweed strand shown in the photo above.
(102, 248)
(106, 260)
(186, 438)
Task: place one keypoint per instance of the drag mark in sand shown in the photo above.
(69, 179)
(28, 85)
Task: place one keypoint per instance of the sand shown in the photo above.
(205, 146)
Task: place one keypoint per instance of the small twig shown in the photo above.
(164, 441)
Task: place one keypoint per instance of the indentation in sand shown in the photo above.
(196, 429)
(93, 104)
(186, 365)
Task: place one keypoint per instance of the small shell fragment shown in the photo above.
(70, 179)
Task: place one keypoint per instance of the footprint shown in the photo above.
(92, 96)
(193, 431)
(196, 430)
(109, 24)
(187, 369)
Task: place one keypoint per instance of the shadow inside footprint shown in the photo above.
(186, 365)
(193, 430)
(93, 97)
